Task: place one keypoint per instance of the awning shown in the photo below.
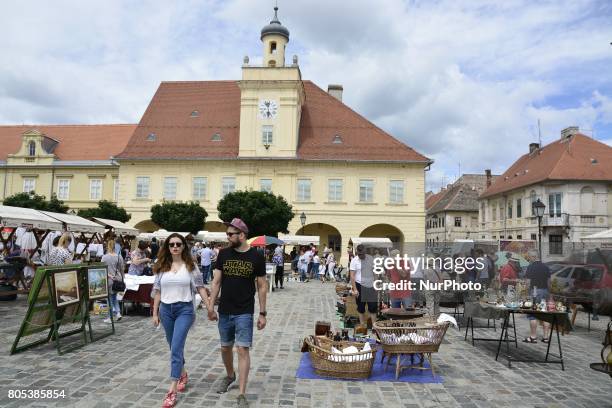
(163, 234)
(74, 223)
(26, 217)
(599, 236)
(300, 239)
(208, 236)
(118, 226)
(371, 242)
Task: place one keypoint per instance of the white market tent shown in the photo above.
(16, 217)
(300, 239)
(74, 223)
(605, 236)
(371, 242)
(209, 236)
(119, 227)
(163, 234)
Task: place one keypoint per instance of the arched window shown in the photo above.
(32, 149)
(271, 63)
(587, 197)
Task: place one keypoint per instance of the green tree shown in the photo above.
(263, 212)
(37, 202)
(106, 209)
(182, 217)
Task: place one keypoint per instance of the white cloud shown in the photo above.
(461, 81)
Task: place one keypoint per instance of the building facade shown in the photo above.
(571, 176)
(274, 131)
(72, 162)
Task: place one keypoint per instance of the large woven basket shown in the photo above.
(432, 332)
(351, 366)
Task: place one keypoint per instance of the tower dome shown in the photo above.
(275, 27)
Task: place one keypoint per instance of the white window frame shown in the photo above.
(304, 190)
(228, 185)
(557, 210)
(61, 196)
(92, 191)
(143, 186)
(396, 191)
(267, 134)
(116, 189)
(268, 188)
(335, 190)
(170, 190)
(202, 188)
(364, 188)
(29, 181)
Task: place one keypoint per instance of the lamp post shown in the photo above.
(303, 221)
(538, 209)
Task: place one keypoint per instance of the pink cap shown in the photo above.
(238, 224)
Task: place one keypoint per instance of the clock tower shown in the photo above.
(271, 98)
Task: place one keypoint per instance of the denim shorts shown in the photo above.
(541, 293)
(236, 329)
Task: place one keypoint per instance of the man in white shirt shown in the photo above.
(362, 283)
(206, 255)
(308, 255)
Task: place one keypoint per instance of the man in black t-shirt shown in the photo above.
(236, 271)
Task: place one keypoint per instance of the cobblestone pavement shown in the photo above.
(130, 369)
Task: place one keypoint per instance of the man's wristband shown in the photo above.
(264, 314)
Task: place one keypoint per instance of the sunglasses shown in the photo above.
(175, 244)
(229, 234)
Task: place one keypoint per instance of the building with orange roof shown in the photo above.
(572, 176)
(274, 131)
(73, 162)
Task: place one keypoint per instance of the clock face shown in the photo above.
(268, 109)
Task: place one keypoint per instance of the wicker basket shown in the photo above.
(351, 366)
(430, 332)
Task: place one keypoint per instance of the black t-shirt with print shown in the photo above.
(238, 273)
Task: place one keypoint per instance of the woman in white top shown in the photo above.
(176, 281)
(60, 255)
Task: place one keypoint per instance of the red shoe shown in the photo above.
(169, 400)
(182, 383)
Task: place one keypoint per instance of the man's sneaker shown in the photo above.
(182, 382)
(242, 401)
(118, 317)
(107, 320)
(225, 383)
(169, 400)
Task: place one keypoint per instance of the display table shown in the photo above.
(137, 290)
(397, 313)
(558, 320)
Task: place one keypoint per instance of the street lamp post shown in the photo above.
(538, 209)
(303, 221)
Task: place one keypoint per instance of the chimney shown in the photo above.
(335, 91)
(488, 175)
(569, 132)
(533, 147)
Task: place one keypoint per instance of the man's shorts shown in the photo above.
(367, 296)
(236, 329)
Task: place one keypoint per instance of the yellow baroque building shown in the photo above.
(274, 131)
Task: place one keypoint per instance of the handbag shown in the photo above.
(118, 285)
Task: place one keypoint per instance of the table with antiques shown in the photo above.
(398, 313)
(573, 300)
(558, 319)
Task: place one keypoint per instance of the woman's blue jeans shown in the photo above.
(177, 319)
(115, 304)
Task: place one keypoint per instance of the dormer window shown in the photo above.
(32, 149)
(151, 137)
(195, 114)
(337, 139)
(216, 137)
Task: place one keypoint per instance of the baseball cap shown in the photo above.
(238, 224)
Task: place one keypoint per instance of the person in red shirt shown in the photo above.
(400, 298)
(509, 271)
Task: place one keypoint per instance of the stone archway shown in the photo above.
(146, 226)
(214, 226)
(329, 235)
(385, 231)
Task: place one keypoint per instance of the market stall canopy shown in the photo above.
(163, 234)
(300, 239)
(74, 223)
(144, 236)
(371, 242)
(599, 236)
(118, 226)
(27, 217)
(209, 236)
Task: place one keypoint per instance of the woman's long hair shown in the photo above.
(164, 258)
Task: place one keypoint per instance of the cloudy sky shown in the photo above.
(463, 82)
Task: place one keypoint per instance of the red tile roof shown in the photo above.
(434, 198)
(568, 159)
(178, 135)
(76, 142)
